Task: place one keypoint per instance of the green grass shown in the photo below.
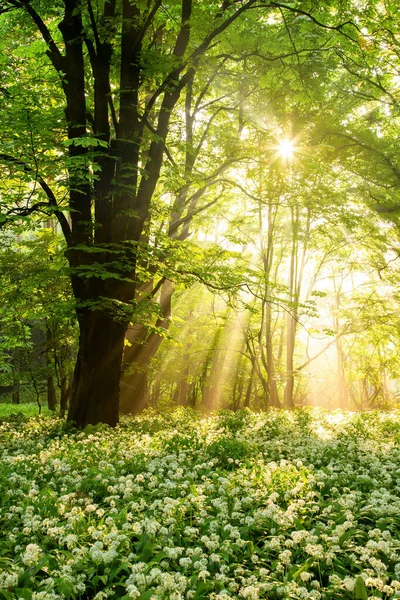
(28, 410)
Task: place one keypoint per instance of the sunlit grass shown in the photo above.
(28, 410)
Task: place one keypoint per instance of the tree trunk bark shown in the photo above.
(16, 375)
(290, 342)
(156, 393)
(211, 393)
(273, 387)
(342, 386)
(95, 390)
(51, 390)
(51, 393)
(134, 384)
(249, 389)
(66, 383)
(341, 371)
(183, 385)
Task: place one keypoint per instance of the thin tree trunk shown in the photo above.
(16, 376)
(342, 387)
(265, 334)
(51, 393)
(215, 361)
(341, 372)
(249, 389)
(289, 387)
(273, 387)
(237, 391)
(385, 389)
(51, 390)
(66, 382)
(183, 396)
(134, 384)
(156, 392)
(290, 321)
(210, 392)
(296, 274)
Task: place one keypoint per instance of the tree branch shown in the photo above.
(299, 11)
(194, 57)
(53, 52)
(52, 201)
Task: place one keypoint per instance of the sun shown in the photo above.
(286, 148)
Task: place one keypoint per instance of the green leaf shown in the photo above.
(361, 590)
(23, 593)
(147, 595)
(66, 588)
(159, 557)
(86, 142)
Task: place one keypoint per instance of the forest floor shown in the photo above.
(302, 504)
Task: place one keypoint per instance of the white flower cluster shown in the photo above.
(300, 505)
(31, 555)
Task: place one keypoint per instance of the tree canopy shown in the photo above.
(221, 179)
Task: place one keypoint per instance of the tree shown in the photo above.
(38, 331)
(118, 69)
(113, 169)
(195, 183)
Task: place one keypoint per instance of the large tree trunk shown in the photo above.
(95, 390)
(114, 209)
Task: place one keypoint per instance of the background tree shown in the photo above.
(38, 332)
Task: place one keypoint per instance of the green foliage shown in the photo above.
(230, 451)
(233, 422)
(38, 311)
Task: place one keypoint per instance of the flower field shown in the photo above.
(302, 504)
